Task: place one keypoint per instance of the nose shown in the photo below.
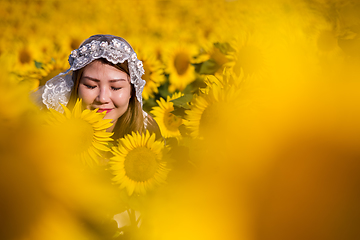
(103, 96)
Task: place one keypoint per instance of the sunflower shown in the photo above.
(15, 95)
(179, 66)
(167, 121)
(252, 54)
(45, 71)
(30, 50)
(83, 132)
(154, 74)
(24, 57)
(326, 42)
(211, 111)
(138, 164)
(212, 59)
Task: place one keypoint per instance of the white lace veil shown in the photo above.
(114, 49)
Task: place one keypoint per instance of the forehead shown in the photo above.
(99, 70)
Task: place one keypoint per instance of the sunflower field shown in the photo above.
(258, 103)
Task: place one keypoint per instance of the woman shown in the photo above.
(106, 74)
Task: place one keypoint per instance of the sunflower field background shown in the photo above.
(258, 103)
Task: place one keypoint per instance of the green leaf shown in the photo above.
(182, 101)
(164, 90)
(38, 64)
(224, 47)
(208, 67)
(149, 104)
(179, 111)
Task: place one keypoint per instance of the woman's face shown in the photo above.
(105, 87)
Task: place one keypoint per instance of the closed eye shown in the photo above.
(116, 88)
(89, 86)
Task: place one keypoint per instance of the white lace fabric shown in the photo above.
(57, 90)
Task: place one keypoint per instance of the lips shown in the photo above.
(104, 109)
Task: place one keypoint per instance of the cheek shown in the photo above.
(122, 98)
(86, 96)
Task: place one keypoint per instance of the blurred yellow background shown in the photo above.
(266, 147)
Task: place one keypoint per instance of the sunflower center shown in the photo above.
(250, 58)
(181, 63)
(24, 56)
(171, 121)
(140, 164)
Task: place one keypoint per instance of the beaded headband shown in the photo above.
(58, 89)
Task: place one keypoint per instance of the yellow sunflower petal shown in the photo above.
(85, 131)
(133, 152)
(100, 146)
(104, 124)
(76, 112)
(67, 111)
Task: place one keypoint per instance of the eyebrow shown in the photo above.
(111, 80)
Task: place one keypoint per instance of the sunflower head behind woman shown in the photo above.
(139, 163)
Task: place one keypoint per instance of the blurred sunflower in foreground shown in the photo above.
(252, 54)
(168, 122)
(45, 195)
(213, 110)
(83, 131)
(139, 163)
(17, 98)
